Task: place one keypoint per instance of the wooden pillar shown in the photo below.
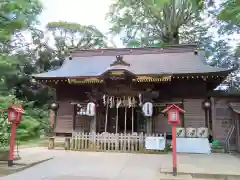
(138, 119)
(93, 124)
(125, 120)
(182, 116)
(74, 116)
(206, 118)
(213, 118)
(148, 125)
(117, 121)
(132, 119)
(51, 120)
(106, 118)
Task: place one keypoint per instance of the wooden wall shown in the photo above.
(193, 117)
(83, 123)
(161, 124)
(100, 122)
(195, 114)
(65, 95)
(64, 118)
(223, 117)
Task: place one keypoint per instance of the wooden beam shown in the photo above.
(106, 117)
(117, 121)
(132, 119)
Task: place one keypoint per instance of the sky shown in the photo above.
(85, 12)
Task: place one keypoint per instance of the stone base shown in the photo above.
(178, 177)
(197, 176)
(51, 143)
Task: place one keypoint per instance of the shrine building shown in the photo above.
(125, 90)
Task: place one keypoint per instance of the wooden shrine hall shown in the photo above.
(125, 90)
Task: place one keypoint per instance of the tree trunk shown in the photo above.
(171, 38)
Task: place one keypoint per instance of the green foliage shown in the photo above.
(16, 15)
(237, 52)
(16, 70)
(151, 23)
(34, 121)
(75, 36)
(4, 133)
(231, 12)
(147, 23)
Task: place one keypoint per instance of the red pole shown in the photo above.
(12, 144)
(174, 150)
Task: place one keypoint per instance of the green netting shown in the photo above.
(216, 143)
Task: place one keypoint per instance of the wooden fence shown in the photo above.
(134, 142)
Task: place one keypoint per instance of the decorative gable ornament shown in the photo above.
(91, 109)
(147, 109)
(119, 61)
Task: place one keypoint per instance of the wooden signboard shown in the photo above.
(117, 73)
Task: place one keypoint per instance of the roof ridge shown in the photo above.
(165, 46)
(135, 51)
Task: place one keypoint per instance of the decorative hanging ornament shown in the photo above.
(133, 102)
(129, 102)
(147, 109)
(104, 100)
(108, 100)
(119, 102)
(91, 109)
(111, 103)
(140, 100)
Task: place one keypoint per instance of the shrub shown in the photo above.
(34, 121)
(4, 132)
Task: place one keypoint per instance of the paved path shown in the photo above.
(92, 166)
(118, 166)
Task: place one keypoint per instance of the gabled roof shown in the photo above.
(178, 60)
(173, 106)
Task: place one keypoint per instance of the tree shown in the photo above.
(21, 59)
(230, 12)
(75, 36)
(41, 56)
(161, 22)
(17, 15)
(150, 23)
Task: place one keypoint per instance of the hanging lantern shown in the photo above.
(54, 106)
(147, 109)
(90, 109)
(207, 104)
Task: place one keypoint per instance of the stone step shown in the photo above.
(218, 149)
(167, 176)
(178, 177)
(186, 177)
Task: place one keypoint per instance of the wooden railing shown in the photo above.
(134, 142)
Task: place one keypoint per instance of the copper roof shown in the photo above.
(142, 61)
